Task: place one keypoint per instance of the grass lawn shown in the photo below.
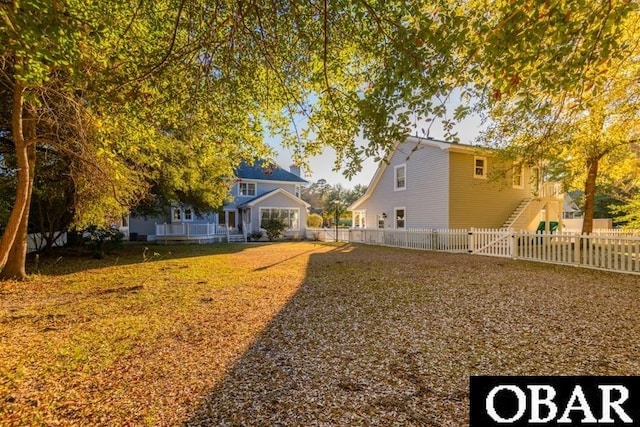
(297, 334)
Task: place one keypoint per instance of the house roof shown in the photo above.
(443, 145)
(266, 196)
(263, 171)
(569, 205)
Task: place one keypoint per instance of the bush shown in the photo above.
(314, 221)
(255, 235)
(274, 228)
(102, 240)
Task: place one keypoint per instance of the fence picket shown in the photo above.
(618, 252)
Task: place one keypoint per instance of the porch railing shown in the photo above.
(551, 189)
(187, 229)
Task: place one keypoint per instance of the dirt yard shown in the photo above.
(297, 334)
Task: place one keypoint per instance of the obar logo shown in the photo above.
(557, 401)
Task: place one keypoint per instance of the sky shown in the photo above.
(322, 165)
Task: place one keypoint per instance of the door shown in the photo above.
(231, 223)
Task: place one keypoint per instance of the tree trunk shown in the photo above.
(23, 188)
(15, 266)
(590, 195)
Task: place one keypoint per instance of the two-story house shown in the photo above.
(258, 192)
(433, 184)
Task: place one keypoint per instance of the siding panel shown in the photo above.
(278, 201)
(261, 188)
(425, 197)
(483, 203)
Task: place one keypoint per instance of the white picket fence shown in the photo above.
(618, 252)
(35, 241)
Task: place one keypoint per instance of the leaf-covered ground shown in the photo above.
(297, 334)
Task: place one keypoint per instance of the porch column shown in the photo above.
(547, 225)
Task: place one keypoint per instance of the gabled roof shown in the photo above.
(443, 145)
(266, 172)
(265, 196)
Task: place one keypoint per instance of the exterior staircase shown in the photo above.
(516, 213)
(527, 211)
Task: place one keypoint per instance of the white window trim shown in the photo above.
(255, 188)
(518, 185)
(395, 217)
(484, 167)
(363, 219)
(184, 214)
(276, 207)
(181, 217)
(395, 177)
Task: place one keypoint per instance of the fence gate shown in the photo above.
(497, 243)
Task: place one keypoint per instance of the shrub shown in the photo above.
(314, 221)
(256, 235)
(100, 240)
(274, 228)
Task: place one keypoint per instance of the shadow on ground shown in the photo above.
(62, 261)
(380, 336)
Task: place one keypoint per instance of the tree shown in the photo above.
(315, 194)
(589, 125)
(324, 198)
(314, 220)
(169, 96)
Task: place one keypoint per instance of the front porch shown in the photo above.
(200, 233)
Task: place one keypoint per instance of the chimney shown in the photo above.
(295, 170)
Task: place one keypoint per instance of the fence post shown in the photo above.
(470, 241)
(513, 241)
(576, 248)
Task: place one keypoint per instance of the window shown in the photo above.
(399, 215)
(182, 214)
(400, 177)
(479, 167)
(290, 216)
(381, 219)
(188, 214)
(221, 216)
(247, 189)
(518, 181)
(297, 191)
(359, 219)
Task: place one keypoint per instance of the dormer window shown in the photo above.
(247, 189)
